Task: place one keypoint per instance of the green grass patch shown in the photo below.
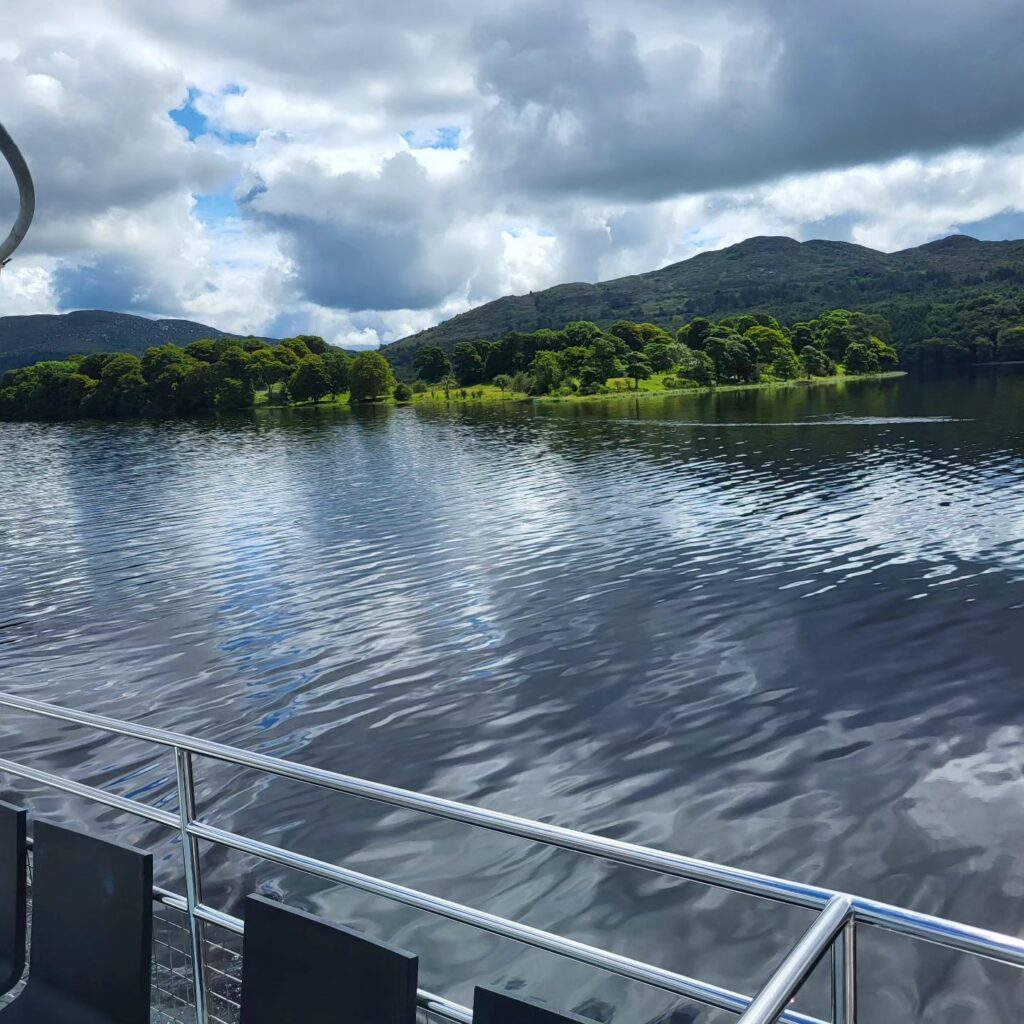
(620, 387)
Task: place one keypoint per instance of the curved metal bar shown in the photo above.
(26, 195)
(783, 985)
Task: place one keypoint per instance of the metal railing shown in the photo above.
(834, 929)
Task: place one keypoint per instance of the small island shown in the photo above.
(581, 361)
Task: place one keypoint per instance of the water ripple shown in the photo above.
(793, 650)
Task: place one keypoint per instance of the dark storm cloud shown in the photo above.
(575, 119)
(787, 86)
(573, 102)
(365, 242)
(653, 99)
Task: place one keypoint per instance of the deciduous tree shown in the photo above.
(467, 364)
(337, 365)
(638, 367)
(695, 333)
(267, 369)
(547, 373)
(859, 358)
(369, 377)
(310, 380)
(663, 355)
(431, 363)
(816, 363)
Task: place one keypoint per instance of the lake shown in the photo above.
(777, 629)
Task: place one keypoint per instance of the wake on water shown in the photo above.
(830, 420)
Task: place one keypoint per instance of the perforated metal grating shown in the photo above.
(173, 992)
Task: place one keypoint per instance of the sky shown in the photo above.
(362, 170)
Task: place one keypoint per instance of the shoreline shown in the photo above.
(491, 395)
(721, 388)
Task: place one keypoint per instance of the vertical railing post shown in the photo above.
(193, 883)
(844, 975)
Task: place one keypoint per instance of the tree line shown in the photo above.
(226, 374)
(748, 348)
(966, 326)
(210, 374)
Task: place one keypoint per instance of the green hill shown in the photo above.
(957, 288)
(29, 339)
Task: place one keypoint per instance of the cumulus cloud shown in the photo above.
(385, 240)
(367, 170)
(94, 123)
(584, 104)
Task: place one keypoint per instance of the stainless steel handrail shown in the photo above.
(967, 938)
(831, 928)
(613, 963)
(678, 984)
(26, 196)
(784, 984)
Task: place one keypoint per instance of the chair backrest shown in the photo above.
(13, 851)
(301, 969)
(492, 1007)
(92, 923)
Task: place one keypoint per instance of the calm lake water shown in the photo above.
(782, 631)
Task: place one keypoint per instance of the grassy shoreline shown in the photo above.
(659, 391)
(651, 388)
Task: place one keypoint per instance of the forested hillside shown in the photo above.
(955, 294)
(28, 339)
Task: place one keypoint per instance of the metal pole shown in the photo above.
(26, 195)
(193, 882)
(767, 1006)
(581, 952)
(429, 1001)
(844, 975)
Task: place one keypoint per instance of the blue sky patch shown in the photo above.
(107, 283)
(197, 124)
(216, 207)
(287, 325)
(518, 230)
(189, 117)
(836, 227)
(998, 228)
(445, 137)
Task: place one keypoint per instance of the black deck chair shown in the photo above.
(300, 969)
(92, 932)
(13, 871)
(492, 1007)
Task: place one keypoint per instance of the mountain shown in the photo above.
(792, 280)
(29, 339)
